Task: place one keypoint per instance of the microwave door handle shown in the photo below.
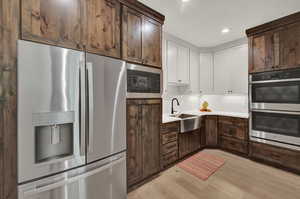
(275, 81)
(90, 82)
(65, 181)
(82, 108)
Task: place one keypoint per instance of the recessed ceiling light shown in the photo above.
(225, 30)
(185, 1)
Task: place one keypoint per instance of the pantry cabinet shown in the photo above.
(142, 38)
(59, 23)
(144, 118)
(230, 70)
(178, 63)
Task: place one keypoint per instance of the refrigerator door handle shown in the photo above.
(90, 77)
(82, 104)
(39, 189)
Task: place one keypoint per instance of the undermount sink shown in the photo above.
(188, 123)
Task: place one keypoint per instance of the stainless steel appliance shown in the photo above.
(71, 124)
(143, 82)
(275, 108)
(188, 123)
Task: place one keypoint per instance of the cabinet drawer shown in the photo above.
(280, 156)
(170, 127)
(169, 137)
(170, 147)
(239, 132)
(169, 159)
(233, 121)
(233, 145)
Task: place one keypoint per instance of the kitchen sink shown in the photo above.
(188, 123)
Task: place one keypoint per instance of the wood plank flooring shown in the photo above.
(239, 178)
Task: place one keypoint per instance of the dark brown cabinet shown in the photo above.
(143, 139)
(211, 131)
(142, 38)
(277, 156)
(169, 144)
(275, 45)
(57, 23)
(188, 143)
(103, 27)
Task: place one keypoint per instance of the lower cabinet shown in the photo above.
(143, 139)
(277, 156)
(189, 142)
(211, 131)
(169, 144)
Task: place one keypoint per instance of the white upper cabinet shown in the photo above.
(194, 72)
(231, 70)
(206, 73)
(178, 63)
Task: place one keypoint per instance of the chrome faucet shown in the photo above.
(172, 110)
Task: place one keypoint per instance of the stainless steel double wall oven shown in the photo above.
(275, 108)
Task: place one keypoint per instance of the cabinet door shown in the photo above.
(211, 129)
(172, 63)
(183, 70)
(57, 23)
(132, 35)
(290, 47)
(103, 27)
(151, 42)
(189, 143)
(151, 120)
(206, 73)
(264, 52)
(222, 70)
(194, 72)
(134, 144)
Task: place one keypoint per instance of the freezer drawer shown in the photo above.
(105, 179)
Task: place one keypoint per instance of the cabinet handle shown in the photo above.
(179, 80)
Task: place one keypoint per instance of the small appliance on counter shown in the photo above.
(275, 108)
(71, 124)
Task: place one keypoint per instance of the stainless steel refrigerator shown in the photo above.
(71, 124)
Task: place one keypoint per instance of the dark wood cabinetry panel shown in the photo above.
(143, 139)
(103, 27)
(132, 35)
(211, 131)
(265, 52)
(151, 121)
(188, 143)
(233, 127)
(233, 145)
(9, 34)
(57, 23)
(152, 42)
(134, 144)
(290, 46)
(277, 156)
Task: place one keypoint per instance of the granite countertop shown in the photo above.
(167, 118)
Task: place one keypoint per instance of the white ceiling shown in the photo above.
(200, 21)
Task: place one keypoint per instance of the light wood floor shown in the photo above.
(239, 178)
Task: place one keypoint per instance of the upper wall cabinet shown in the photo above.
(178, 63)
(103, 27)
(142, 38)
(194, 72)
(58, 23)
(275, 45)
(230, 70)
(206, 73)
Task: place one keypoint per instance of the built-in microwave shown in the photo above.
(143, 82)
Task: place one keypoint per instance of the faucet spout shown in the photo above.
(172, 109)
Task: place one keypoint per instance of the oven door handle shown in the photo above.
(275, 81)
(280, 112)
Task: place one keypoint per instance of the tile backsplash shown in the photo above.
(228, 103)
